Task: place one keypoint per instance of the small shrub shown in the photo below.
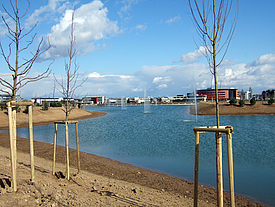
(242, 103)
(26, 111)
(233, 101)
(253, 101)
(45, 106)
(55, 104)
(271, 101)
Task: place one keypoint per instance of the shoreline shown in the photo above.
(113, 169)
(47, 117)
(226, 109)
(119, 171)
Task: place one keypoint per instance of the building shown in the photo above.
(40, 100)
(6, 97)
(93, 100)
(223, 94)
(247, 95)
(233, 93)
(198, 98)
(189, 98)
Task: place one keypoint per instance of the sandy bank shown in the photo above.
(41, 117)
(209, 108)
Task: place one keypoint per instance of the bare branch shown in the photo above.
(71, 82)
(22, 67)
(211, 31)
(5, 83)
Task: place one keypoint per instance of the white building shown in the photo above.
(247, 95)
(6, 97)
(40, 100)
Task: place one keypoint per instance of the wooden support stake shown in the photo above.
(230, 169)
(228, 130)
(14, 139)
(54, 147)
(67, 151)
(13, 166)
(67, 157)
(31, 143)
(219, 169)
(77, 146)
(196, 173)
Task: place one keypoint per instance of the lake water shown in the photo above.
(161, 141)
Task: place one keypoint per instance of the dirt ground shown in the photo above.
(101, 182)
(209, 108)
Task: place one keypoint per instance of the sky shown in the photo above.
(127, 46)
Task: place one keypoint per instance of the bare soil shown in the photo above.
(101, 182)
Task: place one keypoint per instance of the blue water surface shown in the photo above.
(163, 141)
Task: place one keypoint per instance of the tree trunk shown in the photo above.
(215, 65)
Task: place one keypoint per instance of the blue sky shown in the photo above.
(126, 46)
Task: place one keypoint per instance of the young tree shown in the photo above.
(272, 93)
(242, 103)
(71, 83)
(264, 95)
(253, 101)
(210, 20)
(22, 66)
(242, 92)
(251, 92)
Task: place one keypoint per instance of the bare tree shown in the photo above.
(242, 92)
(22, 67)
(71, 82)
(210, 20)
(251, 92)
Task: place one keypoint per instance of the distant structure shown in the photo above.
(247, 95)
(40, 100)
(6, 97)
(93, 100)
(223, 94)
(189, 98)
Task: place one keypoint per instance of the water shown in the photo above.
(162, 142)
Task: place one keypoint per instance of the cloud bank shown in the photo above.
(172, 80)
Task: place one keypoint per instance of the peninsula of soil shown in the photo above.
(209, 108)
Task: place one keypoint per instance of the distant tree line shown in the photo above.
(268, 94)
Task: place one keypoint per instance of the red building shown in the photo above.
(223, 94)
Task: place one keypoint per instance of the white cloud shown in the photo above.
(171, 80)
(97, 75)
(91, 24)
(161, 81)
(141, 27)
(264, 59)
(94, 75)
(137, 90)
(162, 86)
(173, 20)
(257, 74)
(127, 5)
(192, 56)
(3, 27)
(47, 11)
